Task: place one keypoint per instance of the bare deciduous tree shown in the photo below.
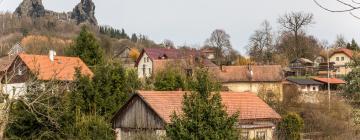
(261, 44)
(220, 40)
(294, 23)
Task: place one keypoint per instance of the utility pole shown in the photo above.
(328, 75)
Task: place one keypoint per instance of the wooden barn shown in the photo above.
(148, 112)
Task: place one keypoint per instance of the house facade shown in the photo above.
(340, 58)
(25, 67)
(153, 60)
(150, 111)
(252, 78)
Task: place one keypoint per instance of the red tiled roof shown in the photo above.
(250, 107)
(261, 73)
(329, 80)
(63, 68)
(345, 51)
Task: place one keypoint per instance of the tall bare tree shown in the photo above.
(295, 22)
(261, 44)
(220, 40)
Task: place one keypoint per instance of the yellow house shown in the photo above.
(260, 79)
(340, 58)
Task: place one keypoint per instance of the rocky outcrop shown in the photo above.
(31, 8)
(84, 12)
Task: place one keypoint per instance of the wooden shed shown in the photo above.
(148, 112)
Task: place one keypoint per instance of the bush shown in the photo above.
(290, 127)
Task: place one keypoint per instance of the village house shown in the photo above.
(153, 60)
(305, 85)
(340, 58)
(253, 78)
(150, 111)
(302, 66)
(123, 55)
(23, 67)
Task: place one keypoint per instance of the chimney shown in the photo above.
(250, 73)
(52, 55)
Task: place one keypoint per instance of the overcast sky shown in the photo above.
(191, 22)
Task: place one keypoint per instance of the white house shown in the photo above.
(340, 58)
(153, 60)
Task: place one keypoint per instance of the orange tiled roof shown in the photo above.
(63, 68)
(250, 107)
(345, 51)
(261, 73)
(329, 80)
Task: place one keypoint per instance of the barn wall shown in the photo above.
(138, 115)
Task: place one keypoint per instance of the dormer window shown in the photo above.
(19, 72)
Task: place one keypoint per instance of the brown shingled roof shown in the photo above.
(63, 68)
(261, 73)
(250, 107)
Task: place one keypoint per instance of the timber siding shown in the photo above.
(138, 116)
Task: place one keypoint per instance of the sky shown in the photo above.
(190, 22)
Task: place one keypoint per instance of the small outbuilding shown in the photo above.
(305, 85)
(149, 112)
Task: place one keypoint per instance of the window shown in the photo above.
(244, 135)
(261, 135)
(19, 72)
(149, 70)
(144, 67)
(314, 88)
(337, 58)
(342, 58)
(144, 59)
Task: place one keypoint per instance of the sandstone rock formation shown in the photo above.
(31, 8)
(84, 12)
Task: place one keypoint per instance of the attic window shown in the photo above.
(19, 72)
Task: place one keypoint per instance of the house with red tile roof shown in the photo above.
(341, 57)
(153, 60)
(150, 111)
(253, 78)
(40, 67)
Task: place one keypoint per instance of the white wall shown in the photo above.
(308, 88)
(145, 62)
(340, 60)
(14, 90)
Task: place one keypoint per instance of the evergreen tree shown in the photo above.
(203, 116)
(353, 45)
(134, 38)
(87, 48)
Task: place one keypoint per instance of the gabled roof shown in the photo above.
(304, 81)
(250, 107)
(62, 68)
(166, 54)
(345, 51)
(303, 61)
(329, 80)
(260, 73)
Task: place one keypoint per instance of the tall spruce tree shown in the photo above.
(87, 48)
(203, 115)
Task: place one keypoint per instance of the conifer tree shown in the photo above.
(87, 48)
(203, 115)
